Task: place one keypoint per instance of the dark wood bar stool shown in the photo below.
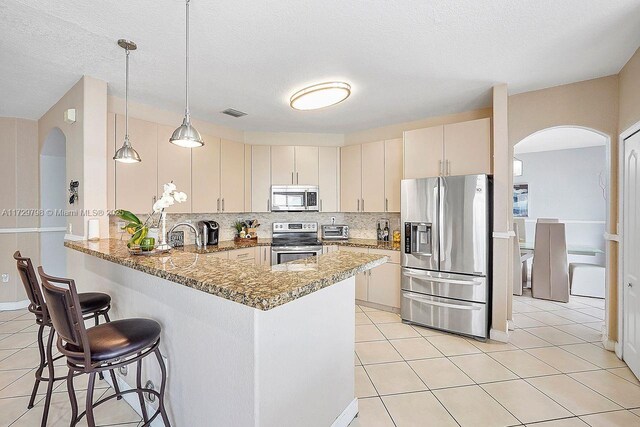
(92, 304)
(104, 347)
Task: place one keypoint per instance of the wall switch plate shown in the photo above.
(5, 277)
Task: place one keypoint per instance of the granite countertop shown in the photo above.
(257, 286)
(229, 245)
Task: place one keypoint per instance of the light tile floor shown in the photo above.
(554, 373)
(18, 360)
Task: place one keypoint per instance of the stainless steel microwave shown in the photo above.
(294, 198)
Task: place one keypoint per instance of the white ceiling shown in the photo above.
(406, 59)
(561, 138)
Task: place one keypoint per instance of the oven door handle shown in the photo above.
(296, 248)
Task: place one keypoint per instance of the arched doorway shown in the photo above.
(53, 202)
(561, 173)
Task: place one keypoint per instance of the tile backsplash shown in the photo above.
(361, 225)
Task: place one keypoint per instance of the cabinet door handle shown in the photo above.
(292, 182)
(320, 205)
(386, 205)
(218, 204)
(223, 204)
(358, 205)
(297, 178)
(440, 167)
(448, 167)
(362, 205)
(265, 254)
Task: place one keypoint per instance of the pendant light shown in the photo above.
(186, 135)
(126, 154)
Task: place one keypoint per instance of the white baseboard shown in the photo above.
(497, 335)
(347, 415)
(618, 350)
(511, 325)
(18, 305)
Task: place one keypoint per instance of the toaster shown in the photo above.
(335, 232)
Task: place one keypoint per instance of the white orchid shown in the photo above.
(180, 197)
(169, 197)
(169, 188)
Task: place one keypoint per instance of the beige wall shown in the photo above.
(592, 104)
(19, 190)
(171, 118)
(502, 217)
(73, 133)
(86, 147)
(294, 138)
(629, 83)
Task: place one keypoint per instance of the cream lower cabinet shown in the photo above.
(328, 179)
(380, 285)
(247, 255)
(136, 184)
(263, 255)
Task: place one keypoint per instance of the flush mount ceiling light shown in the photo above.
(320, 96)
(186, 135)
(126, 153)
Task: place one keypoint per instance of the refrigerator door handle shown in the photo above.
(442, 197)
(442, 280)
(427, 301)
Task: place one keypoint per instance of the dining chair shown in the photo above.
(550, 272)
(517, 262)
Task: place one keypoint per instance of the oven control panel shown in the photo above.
(295, 227)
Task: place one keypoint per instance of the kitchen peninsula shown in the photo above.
(246, 345)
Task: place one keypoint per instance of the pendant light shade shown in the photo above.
(186, 135)
(126, 154)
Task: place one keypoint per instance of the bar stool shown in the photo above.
(104, 347)
(92, 304)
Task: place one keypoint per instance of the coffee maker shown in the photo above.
(209, 231)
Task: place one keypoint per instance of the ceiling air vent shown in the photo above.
(233, 113)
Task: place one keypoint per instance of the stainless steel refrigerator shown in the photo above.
(446, 235)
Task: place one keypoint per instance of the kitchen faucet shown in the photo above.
(199, 241)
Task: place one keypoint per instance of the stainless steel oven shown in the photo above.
(293, 241)
(294, 198)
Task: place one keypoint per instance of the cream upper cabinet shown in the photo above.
(283, 165)
(350, 178)
(247, 178)
(205, 176)
(137, 183)
(231, 176)
(423, 152)
(467, 147)
(392, 174)
(329, 167)
(306, 165)
(373, 178)
(260, 178)
(174, 164)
